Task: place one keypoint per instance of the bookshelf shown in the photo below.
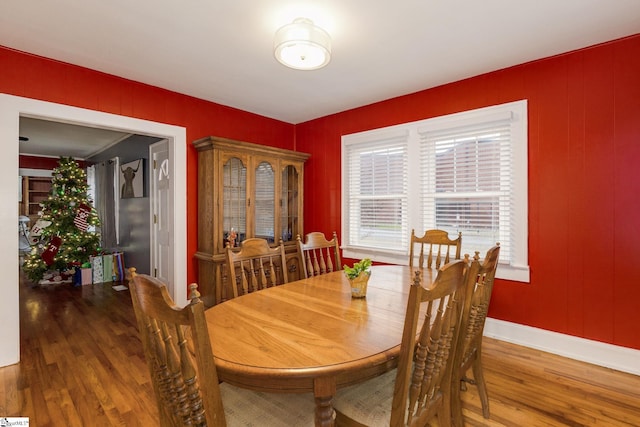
(35, 189)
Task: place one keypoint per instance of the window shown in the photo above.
(465, 172)
(377, 176)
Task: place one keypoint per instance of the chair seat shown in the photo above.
(370, 402)
(245, 408)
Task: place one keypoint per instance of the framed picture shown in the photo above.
(132, 179)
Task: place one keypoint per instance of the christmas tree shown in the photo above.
(66, 238)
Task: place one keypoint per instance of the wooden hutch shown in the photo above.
(245, 190)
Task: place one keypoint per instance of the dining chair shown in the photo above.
(469, 344)
(419, 389)
(256, 266)
(438, 247)
(180, 359)
(319, 255)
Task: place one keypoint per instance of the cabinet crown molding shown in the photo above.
(211, 142)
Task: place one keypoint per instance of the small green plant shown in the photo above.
(359, 267)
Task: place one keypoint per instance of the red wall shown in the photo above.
(584, 152)
(584, 183)
(35, 162)
(39, 78)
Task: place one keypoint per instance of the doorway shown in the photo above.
(14, 107)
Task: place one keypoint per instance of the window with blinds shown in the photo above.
(466, 184)
(465, 172)
(378, 194)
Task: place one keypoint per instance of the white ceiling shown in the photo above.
(221, 51)
(54, 139)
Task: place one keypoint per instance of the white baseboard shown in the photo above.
(607, 355)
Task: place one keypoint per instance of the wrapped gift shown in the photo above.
(107, 267)
(86, 276)
(118, 266)
(96, 266)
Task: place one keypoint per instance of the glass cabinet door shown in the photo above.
(289, 210)
(265, 193)
(234, 202)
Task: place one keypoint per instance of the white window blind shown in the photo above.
(377, 191)
(466, 184)
(464, 172)
(265, 202)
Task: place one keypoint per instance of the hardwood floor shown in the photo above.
(82, 365)
(81, 360)
(532, 388)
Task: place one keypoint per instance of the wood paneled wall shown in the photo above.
(35, 162)
(584, 128)
(40, 78)
(584, 183)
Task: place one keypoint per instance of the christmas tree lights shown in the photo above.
(70, 239)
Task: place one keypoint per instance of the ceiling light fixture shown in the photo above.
(302, 45)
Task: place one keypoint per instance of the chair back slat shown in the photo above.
(479, 298)
(474, 315)
(422, 389)
(319, 255)
(178, 354)
(439, 248)
(256, 266)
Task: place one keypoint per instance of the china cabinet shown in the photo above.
(245, 190)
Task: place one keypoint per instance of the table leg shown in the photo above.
(324, 388)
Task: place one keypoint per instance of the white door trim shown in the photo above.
(11, 108)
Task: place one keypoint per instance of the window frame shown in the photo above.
(516, 268)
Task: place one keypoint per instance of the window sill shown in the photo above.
(506, 272)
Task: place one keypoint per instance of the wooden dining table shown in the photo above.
(311, 335)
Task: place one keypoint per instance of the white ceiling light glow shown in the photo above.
(302, 45)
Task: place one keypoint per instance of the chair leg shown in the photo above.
(482, 386)
(457, 418)
(445, 418)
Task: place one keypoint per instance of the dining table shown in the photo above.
(311, 336)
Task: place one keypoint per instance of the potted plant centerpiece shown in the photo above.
(358, 276)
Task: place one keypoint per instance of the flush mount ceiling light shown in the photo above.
(302, 45)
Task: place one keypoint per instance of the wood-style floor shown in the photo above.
(82, 365)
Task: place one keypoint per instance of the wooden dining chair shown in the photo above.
(256, 266)
(438, 247)
(470, 338)
(179, 356)
(419, 390)
(319, 255)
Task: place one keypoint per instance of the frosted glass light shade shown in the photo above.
(302, 45)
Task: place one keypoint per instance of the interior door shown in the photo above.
(161, 200)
